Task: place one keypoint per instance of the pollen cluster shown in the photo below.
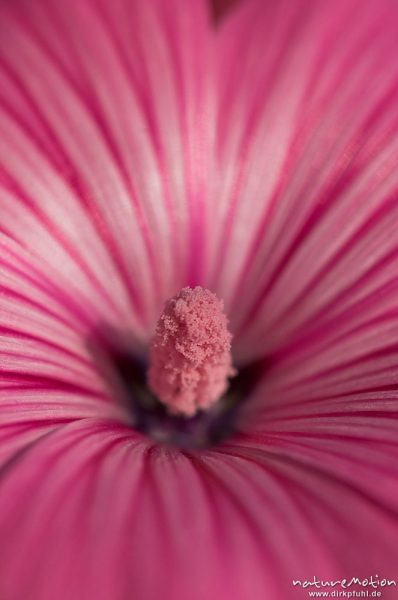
(190, 354)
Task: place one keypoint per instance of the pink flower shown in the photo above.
(143, 150)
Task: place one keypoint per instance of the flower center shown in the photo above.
(181, 396)
(190, 354)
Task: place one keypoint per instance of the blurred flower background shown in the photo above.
(248, 147)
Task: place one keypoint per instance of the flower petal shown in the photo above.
(243, 520)
(305, 256)
(99, 192)
(101, 173)
(305, 224)
(79, 535)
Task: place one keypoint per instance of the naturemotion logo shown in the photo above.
(369, 587)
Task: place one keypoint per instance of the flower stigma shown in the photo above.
(190, 358)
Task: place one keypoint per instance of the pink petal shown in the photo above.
(150, 528)
(93, 177)
(93, 189)
(310, 213)
(309, 271)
